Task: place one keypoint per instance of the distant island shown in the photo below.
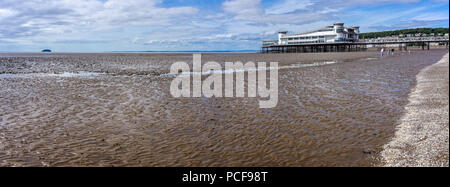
(406, 33)
(46, 51)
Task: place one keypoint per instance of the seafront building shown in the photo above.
(329, 34)
(338, 38)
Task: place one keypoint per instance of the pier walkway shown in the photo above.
(362, 45)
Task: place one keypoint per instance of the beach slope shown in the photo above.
(421, 138)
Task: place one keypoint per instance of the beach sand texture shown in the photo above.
(422, 135)
(115, 109)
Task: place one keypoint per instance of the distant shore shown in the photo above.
(422, 134)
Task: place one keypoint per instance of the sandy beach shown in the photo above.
(115, 109)
(421, 139)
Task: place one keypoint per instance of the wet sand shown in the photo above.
(116, 110)
(421, 139)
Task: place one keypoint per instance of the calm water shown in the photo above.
(116, 110)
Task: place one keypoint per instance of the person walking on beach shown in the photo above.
(382, 52)
(392, 51)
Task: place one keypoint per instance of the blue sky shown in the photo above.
(142, 25)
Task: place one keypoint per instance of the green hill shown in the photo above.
(404, 32)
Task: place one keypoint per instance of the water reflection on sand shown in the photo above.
(116, 110)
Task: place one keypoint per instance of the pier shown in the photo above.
(362, 45)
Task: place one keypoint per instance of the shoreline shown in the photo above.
(421, 138)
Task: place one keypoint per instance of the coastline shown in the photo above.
(421, 139)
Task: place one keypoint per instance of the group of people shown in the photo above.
(388, 52)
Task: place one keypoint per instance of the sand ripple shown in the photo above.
(333, 115)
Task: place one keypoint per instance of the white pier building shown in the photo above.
(329, 34)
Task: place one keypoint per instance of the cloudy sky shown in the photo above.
(143, 25)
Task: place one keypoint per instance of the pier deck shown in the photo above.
(347, 46)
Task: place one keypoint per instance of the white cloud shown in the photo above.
(252, 11)
(295, 11)
(236, 23)
(35, 17)
(244, 9)
(5, 13)
(288, 6)
(138, 12)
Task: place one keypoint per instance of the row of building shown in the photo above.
(417, 35)
(421, 35)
